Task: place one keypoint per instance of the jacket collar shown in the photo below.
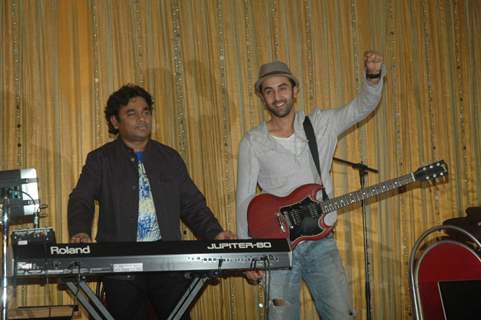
(121, 144)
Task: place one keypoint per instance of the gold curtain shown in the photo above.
(61, 59)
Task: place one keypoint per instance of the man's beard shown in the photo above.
(281, 112)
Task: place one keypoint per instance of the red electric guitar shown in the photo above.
(299, 216)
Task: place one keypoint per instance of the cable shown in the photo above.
(12, 192)
(219, 267)
(267, 280)
(36, 222)
(98, 289)
(267, 285)
(31, 198)
(14, 277)
(47, 282)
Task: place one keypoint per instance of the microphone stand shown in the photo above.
(363, 171)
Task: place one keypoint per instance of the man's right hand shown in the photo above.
(254, 277)
(80, 238)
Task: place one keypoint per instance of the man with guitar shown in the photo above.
(277, 156)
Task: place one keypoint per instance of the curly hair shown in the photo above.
(121, 98)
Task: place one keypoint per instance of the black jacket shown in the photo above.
(110, 177)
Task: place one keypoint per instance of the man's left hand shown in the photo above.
(225, 235)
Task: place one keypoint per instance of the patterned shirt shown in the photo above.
(147, 225)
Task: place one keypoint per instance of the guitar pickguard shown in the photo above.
(302, 218)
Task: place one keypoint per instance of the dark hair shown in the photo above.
(121, 98)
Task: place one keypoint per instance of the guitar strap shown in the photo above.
(311, 138)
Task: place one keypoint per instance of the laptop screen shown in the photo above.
(461, 299)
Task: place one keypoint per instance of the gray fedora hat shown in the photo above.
(275, 68)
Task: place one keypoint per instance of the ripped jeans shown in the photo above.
(317, 263)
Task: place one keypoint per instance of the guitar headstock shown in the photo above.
(432, 171)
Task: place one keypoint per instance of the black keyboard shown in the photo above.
(128, 257)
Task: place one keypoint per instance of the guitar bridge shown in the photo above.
(283, 220)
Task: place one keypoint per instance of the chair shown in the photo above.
(445, 259)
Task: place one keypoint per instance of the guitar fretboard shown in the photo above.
(369, 192)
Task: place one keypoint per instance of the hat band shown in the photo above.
(275, 72)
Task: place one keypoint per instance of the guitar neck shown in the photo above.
(366, 193)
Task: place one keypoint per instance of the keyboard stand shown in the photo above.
(83, 293)
(190, 294)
